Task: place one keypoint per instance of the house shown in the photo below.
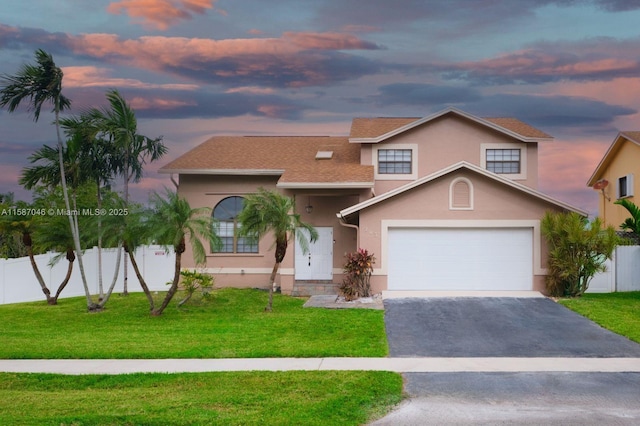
(444, 202)
(613, 178)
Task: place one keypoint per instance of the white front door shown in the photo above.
(317, 262)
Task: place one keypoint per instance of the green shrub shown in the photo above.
(357, 275)
(193, 281)
(577, 251)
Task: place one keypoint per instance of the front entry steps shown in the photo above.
(315, 288)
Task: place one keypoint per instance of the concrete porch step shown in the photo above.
(314, 288)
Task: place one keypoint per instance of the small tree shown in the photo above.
(577, 251)
(172, 223)
(268, 211)
(357, 275)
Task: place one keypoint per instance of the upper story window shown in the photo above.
(225, 213)
(624, 186)
(503, 161)
(395, 161)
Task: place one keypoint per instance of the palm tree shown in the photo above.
(631, 223)
(97, 162)
(132, 151)
(172, 222)
(40, 84)
(268, 211)
(53, 233)
(46, 171)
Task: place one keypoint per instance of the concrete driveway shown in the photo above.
(496, 327)
(508, 327)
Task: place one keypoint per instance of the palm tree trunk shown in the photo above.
(125, 290)
(36, 271)
(70, 257)
(74, 228)
(143, 284)
(114, 281)
(174, 285)
(100, 287)
(272, 281)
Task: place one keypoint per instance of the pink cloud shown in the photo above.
(565, 167)
(161, 14)
(90, 76)
(158, 103)
(295, 59)
(254, 90)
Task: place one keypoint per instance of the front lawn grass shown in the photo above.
(618, 312)
(242, 398)
(231, 325)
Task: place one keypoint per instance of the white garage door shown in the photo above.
(460, 259)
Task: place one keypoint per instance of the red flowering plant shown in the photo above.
(357, 275)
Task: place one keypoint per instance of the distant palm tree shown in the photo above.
(40, 84)
(631, 223)
(172, 222)
(119, 124)
(268, 211)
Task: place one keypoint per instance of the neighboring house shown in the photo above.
(445, 202)
(614, 177)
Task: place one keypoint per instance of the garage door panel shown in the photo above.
(460, 259)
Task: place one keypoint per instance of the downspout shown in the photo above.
(348, 225)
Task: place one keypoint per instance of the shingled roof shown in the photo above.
(291, 157)
(295, 160)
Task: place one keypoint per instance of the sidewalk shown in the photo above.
(399, 365)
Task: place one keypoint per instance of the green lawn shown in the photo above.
(232, 325)
(618, 312)
(256, 398)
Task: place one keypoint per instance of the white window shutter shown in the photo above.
(630, 185)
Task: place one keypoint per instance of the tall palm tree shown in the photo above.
(268, 211)
(118, 122)
(631, 223)
(40, 84)
(172, 222)
(96, 159)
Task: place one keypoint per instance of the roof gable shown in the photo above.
(461, 165)
(621, 138)
(379, 129)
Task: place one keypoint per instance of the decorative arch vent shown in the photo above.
(461, 194)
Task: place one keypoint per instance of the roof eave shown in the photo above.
(237, 172)
(325, 185)
(607, 157)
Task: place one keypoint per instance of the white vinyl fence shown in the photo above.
(18, 282)
(622, 274)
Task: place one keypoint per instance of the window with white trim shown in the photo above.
(395, 161)
(226, 226)
(503, 161)
(624, 186)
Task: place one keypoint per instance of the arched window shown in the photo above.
(225, 213)
(461, 194)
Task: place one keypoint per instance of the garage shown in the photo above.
(460, 259)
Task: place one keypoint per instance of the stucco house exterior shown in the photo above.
(614, 178)
(444, 202)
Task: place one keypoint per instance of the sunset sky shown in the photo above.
(197, 68)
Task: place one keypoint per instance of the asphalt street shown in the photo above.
(501, 328)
